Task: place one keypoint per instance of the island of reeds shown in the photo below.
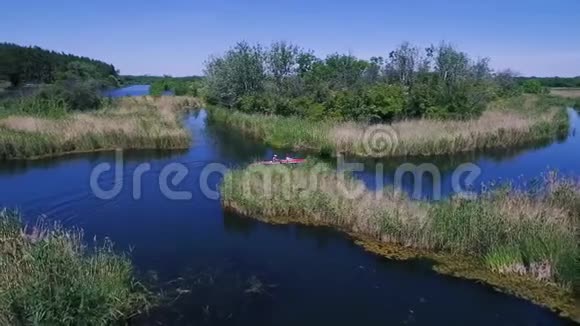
(523, 242)
(48, 276)
(53, 103)
(436, 100)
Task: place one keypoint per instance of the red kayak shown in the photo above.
(285, 161)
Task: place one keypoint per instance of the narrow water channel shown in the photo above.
(229, 270)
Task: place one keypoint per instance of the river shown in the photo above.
(231, 270)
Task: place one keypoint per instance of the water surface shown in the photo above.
(238, 271)
(133, 90)
(521, 167)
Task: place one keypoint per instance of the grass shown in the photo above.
(49, 277)
(127, 123)
(507, 123)
(569, 92)
(510, 231)
(570, 96)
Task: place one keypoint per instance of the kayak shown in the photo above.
(285, 161)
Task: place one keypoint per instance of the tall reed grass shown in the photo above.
(505, 124)
(509, 230)
(568, 92)
(49, 277)
(127, 123)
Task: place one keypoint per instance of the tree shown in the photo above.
(506, 83)
(239, 73)
(342, 71)
(283, 79)
(282, 61)
(533, 86)
(373, 71)
(403, 64)
(36, 65)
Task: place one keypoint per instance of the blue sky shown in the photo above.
(175, 37)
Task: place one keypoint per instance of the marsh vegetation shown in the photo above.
(531, 233)
(48, 276)
(127, 123)
(506, 123)
(433, 101)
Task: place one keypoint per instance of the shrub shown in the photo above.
(384, 102)
(508, 229)
(409, 83)
(78, 95)
(51, 107)
(49, 277)
(533, 86)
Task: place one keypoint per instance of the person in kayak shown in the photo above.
(275, 158)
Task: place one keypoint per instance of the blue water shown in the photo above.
(308, 275)
(135, 90)
(520, 167)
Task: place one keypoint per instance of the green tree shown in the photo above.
(241, 72)
(403, 64)
(533, 86)
(282, 63)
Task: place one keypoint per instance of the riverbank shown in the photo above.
(126, 123)
(506, 123)
(49, 277)
(524, 243)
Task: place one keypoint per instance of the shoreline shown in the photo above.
(89, 151)
(548, 295)
(525, 244)
(407, 138)
(129, 123)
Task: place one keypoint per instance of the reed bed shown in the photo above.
(501, 126)
(568, 92)
(127, 123)
(510, 231)
(49, 277)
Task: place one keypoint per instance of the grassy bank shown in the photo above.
(49, 277)
(127, 123)
(570, 96)
(506, 123)
(506, 232)
(568, 92)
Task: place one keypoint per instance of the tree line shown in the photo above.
(552, 81)
(438, 81)
(22, 64)
(59, 82)
(128, 80)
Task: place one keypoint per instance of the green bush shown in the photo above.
(534, 86)
(51, 107)
(409, 83)
(255, 103)
(384, 102)
(78, 95)
(174, 86)
(48, 276)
